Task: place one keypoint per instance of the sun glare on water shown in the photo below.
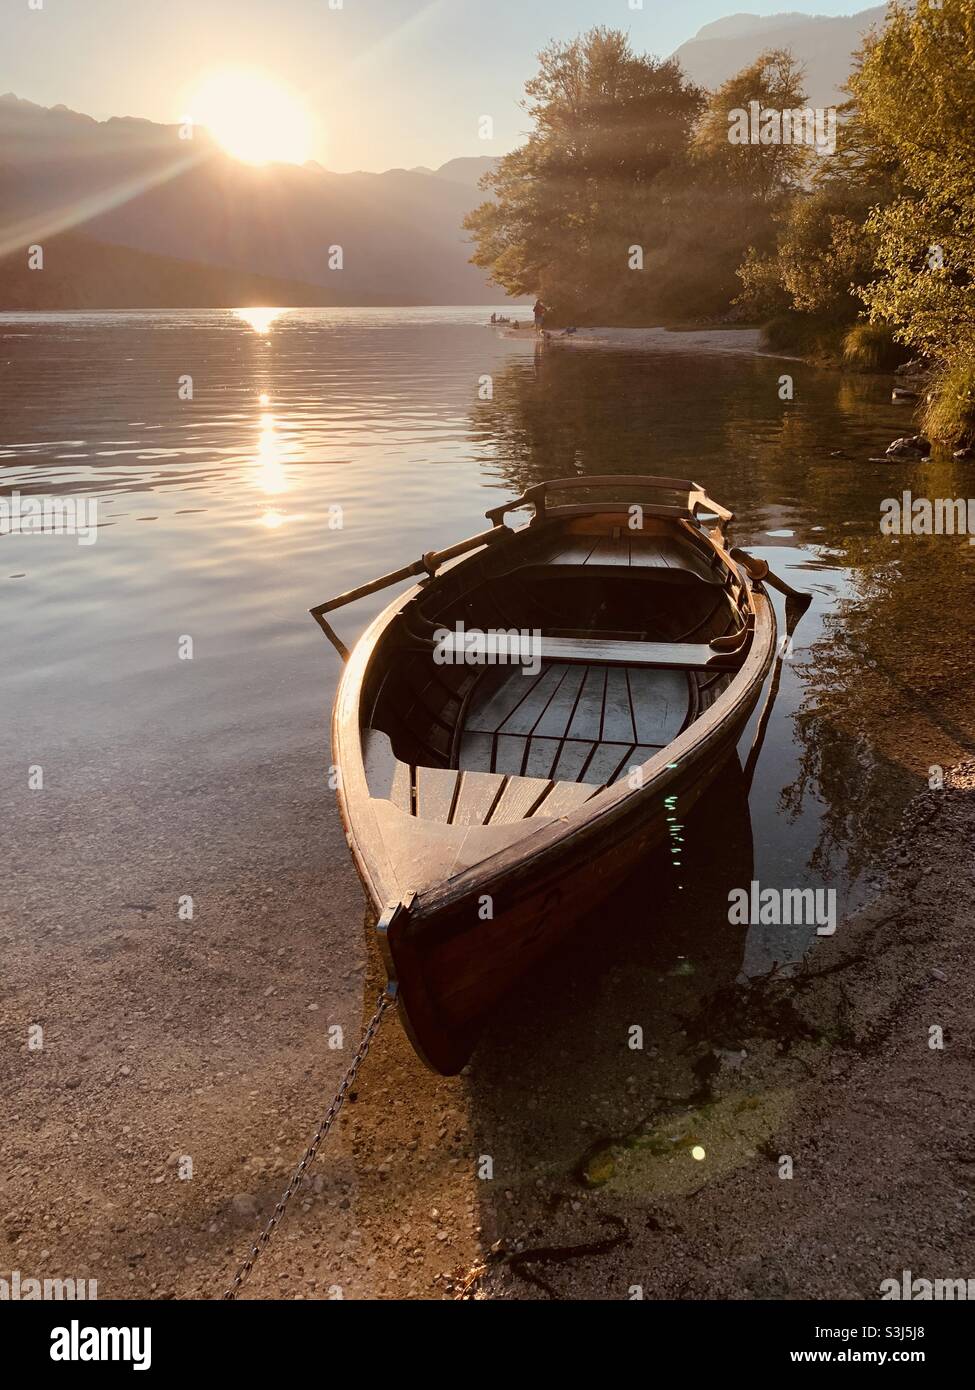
(259, 319)
(253, 118)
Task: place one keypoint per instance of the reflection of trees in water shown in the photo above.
(717, 418)
(887, 689)
(578, 411)
(862, 796)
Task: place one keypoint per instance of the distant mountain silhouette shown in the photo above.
(822, 43)
(132, 183)
(468, 171)
(80, 273)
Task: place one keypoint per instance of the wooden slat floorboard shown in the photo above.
(500, 690)
(617, 713)
(587, 718)
(560, 709)
(539, 691)
(519, 799)
(435, 791)
(606, 762)
(476, 795)
(659, 700)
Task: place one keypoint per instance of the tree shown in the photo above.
(822, 255)
(768, 170)
(916, 91)
(569, 204)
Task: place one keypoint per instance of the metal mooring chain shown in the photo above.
(386, 1000)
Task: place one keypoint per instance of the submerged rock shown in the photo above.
(911, 446)
(916, 367)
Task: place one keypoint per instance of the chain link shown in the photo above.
(386, 1000)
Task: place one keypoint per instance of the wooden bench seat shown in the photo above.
(669, 656)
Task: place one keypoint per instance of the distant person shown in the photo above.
(494, 318)
(539, 312)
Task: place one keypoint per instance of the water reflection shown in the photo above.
(668, 954)
(269, 460)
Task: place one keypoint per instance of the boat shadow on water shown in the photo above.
(608, 1033)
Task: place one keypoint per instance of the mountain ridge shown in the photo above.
(824, 44)
(136, 184)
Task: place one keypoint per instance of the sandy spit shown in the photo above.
(745, 342)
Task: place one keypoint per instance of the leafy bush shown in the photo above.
(914, 89)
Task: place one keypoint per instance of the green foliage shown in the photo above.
(916, 90)
(611, 164)
(821, 255)
(800, 333)
(762, 294)
(569, 204)
(624, 153)
(823, 252)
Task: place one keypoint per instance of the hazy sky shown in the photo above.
(387, 82)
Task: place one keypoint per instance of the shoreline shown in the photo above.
(738, 341)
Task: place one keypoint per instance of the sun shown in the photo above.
(253, 118)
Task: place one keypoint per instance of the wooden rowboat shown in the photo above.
(489, 802)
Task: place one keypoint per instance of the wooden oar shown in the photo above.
(760, 572)
(427, 564)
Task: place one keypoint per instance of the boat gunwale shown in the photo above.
(362, 829)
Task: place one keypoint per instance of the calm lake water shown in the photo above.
(214, 522)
